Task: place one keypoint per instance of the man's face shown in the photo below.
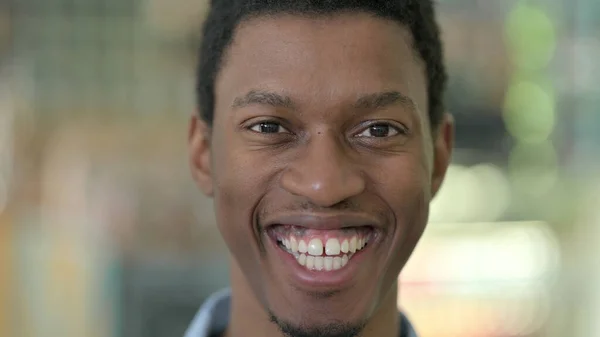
(321, 163)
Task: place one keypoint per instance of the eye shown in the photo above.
(380, 130)
(268, 127)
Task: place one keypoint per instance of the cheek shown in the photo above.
(408, 195)
(239, 184)
(405, 182)
(406, 191)
(414, 199)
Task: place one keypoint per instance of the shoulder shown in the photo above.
(212, 317)
(406, 328)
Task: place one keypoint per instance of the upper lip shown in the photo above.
(323, 221)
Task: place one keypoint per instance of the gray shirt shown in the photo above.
(213, 317)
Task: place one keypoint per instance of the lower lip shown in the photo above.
(320, 280)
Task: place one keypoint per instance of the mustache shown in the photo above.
(345, 206)
(349, 212)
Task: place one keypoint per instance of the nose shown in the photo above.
(323, 173)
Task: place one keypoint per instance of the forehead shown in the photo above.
(322, 60)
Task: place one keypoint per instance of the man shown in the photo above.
(322, 138)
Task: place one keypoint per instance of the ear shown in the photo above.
(200, 154)
(442, 148)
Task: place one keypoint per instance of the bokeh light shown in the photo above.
(531, 36)
(529, 111)
(477, 193)
(533, 168)
(495, 193)
(502, 272)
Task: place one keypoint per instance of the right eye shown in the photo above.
(268, 128)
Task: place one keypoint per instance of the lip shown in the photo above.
(319, 281)
(324, 221)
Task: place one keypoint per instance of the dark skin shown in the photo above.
(319, 116)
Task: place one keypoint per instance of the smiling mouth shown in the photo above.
(322, 250)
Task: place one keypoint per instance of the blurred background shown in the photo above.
(103, 233)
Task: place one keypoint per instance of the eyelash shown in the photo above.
(400, 129)
(268, 121)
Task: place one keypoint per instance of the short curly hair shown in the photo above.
(225, 15)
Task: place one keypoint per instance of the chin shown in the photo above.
(341, 313)
(318, 326)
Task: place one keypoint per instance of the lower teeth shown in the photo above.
(326, 263)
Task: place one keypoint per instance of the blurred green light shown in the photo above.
(531, 36)
(529, 112)
(533, 168)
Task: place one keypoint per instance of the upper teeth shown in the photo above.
(315, 247)
(332, 246)
(302, 247)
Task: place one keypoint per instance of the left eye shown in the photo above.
(268, 127)
(379, 131)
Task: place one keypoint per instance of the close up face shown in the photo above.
(321, 163)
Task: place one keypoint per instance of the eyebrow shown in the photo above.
(373, 101)
(261, 97)
(383, 100)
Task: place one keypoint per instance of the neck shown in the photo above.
(249, 317)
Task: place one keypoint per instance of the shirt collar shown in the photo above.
(212, 317)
